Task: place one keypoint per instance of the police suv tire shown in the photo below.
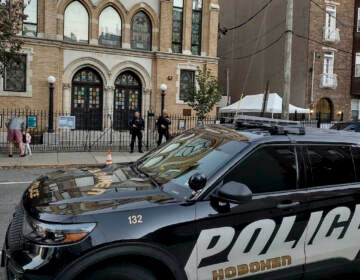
(123, 271)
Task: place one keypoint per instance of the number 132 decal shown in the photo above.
(135, 219)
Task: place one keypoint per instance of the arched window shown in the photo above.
(110, 28)
(76, 23)
(141, 32)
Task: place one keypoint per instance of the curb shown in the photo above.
(41, 166)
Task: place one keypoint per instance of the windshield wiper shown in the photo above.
(139, 172)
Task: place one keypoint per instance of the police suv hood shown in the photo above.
(84, 191)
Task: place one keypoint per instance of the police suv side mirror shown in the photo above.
(235, 192)
(197, 182)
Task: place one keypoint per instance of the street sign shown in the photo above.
(182, 124)
(67, 122)
(32, 122)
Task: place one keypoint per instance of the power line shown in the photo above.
(321, 43)
(258, 51)
(268, 31)
(224, 30)
(331, 15)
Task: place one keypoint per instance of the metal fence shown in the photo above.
(94, 131)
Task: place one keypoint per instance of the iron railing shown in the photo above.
(94, 131)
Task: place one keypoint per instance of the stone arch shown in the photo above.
(91, 62)
(72, 69)
(119, 7)
(143, 75)
(148, 10)
(134, 67)
(153, 19)
(61, 7)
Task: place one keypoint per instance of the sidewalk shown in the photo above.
(64, 159)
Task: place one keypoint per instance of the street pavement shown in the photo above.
(64, 159)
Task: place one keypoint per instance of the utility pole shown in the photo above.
(227, 86)
(288, 59)
(265, 99)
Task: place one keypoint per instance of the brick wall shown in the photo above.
(341, 96)
(48, 50)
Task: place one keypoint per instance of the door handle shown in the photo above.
(288, 205)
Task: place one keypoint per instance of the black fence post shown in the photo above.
(318, 118)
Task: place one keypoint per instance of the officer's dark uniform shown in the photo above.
(136, 132)
(165, 121)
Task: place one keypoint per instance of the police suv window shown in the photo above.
(356, 155)
(268, 169)
(330, 165)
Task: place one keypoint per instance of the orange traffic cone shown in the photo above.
(108, 157)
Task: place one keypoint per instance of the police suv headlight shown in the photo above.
(55, 234)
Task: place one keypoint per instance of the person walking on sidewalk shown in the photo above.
(15, 128)
(137, 125)
(163, 124)
(27, 141)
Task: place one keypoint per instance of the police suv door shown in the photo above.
(262, 237)
(333, 234)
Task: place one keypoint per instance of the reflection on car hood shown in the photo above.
(76, 191)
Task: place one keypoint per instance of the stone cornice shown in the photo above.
(109, 50)
(184, 57)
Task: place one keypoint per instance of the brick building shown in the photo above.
(110, 57)
(321, 60)
(355, 81)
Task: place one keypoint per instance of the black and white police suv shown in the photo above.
(267, 200)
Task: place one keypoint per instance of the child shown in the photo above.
(27, 141)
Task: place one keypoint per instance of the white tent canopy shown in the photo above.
(254, 103)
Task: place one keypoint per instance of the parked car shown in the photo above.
(348, 126)
(268, 201)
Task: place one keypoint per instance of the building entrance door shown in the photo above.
(127, 99)
(87, 100)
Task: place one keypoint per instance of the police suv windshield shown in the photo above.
(202, 151)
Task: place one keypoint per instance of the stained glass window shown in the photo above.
(196, 27)
(120, 99)
(86, 89)
(79, 97)
(127, 79)
(30, 23)
(177, 28)
(127, 92)
(15, 75)
(87, 76)
(187, 80)
(141, 32)
(94, 98)
(110, 28)
(76, 23)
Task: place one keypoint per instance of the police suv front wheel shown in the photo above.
(123, 271)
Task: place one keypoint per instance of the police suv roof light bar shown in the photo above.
(273, 126)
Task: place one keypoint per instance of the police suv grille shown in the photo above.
(15, 239)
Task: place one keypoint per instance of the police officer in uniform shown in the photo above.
(163, 124)
(137, 125)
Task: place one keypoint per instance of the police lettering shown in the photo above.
(257, 247)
